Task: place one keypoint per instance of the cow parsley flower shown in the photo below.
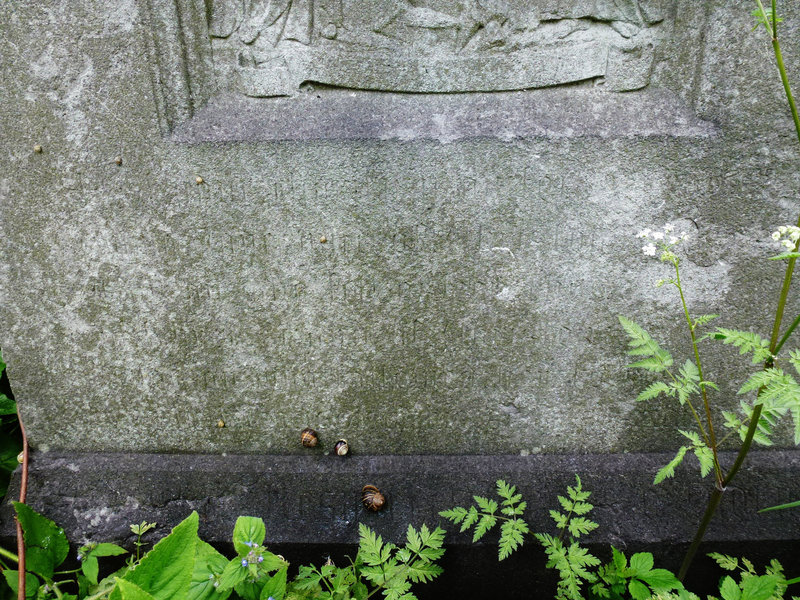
(649, 249)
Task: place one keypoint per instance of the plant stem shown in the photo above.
(716, 494)
(8, 554)
(713, 503)
(23, 494)
(786, 335)
(711, 436)
(718, 491)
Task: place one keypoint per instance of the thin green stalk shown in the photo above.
(713, 503)
(706, 405)
(786, 335)
(716, 495)
(8, 554)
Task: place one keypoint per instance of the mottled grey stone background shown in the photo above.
(479, 244)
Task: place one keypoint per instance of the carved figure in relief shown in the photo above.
(281, 43)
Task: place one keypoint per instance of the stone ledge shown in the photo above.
(334, 114)
(316, 499)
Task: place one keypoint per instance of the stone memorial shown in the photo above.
(410, 224)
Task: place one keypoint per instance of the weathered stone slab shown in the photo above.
(420, 273)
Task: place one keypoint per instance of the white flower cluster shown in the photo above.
(665, 238)
(787, 236)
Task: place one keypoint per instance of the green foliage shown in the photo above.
(484, 517)
(778, 392)
(166, 571)
(573, 563)
(638, 579)
(704, 454)
(183, 567)
(654, 358)
(385, 566)
(764, 16)
(746, 341)
(46, 546)
(89, 554)
(751, 585)
(10, 435)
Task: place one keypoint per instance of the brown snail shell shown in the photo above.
(372, 498)
(309, 438)
(342, 448)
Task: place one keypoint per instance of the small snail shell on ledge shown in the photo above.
(372, 498)
(341, 448)
(308, 437)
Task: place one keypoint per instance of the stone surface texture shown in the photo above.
(434, 273)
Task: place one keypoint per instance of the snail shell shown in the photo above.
(372, 498)
(308, 437)
(341, 448)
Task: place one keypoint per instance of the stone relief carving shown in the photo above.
(273, 46)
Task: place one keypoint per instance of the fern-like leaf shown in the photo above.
(668, 470)
(653, 391)
(746, 341)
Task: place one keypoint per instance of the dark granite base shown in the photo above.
(311, 504)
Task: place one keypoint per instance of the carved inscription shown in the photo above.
(436, 45)
(405, 304)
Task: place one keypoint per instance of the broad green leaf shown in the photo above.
(661, 580)
(638, 590)
(46, 546)
(759, 588)
(208, 566)
(248, 533)
(233, 574)
(641, 562)
(89, 565)
(729, 590)
(31, 583)
(7, 405)
(166, 571)
(275, 587)
(131, 591)
(105, 549)
(248, 590)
